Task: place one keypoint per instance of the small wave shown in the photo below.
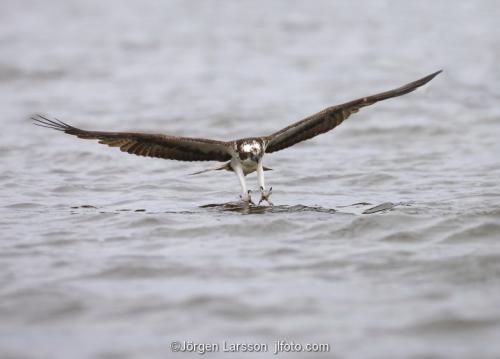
(482, 232)
(84, 206)
(68, 188)
(11, 73)
(386, 206)
(24, 205)
(282, 251)
(51, 305)
(129, 271)
(402, 237)
(369, 179)
(452, 324)
(145, 222)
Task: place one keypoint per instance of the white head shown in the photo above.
(250, 150)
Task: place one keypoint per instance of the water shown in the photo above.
(107, 255)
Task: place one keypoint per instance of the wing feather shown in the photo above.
(151, 145)
(331, 117)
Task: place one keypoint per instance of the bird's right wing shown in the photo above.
(151, 145)
(331, 117)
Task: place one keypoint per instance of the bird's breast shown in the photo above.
(248, 166)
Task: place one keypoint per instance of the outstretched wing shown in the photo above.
(151, 145)
(331, 117)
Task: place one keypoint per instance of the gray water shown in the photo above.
(108, 255)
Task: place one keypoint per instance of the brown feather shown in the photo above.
(331, 117)
(152, 145)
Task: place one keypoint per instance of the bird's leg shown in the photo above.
(245, 194)
(264, 194)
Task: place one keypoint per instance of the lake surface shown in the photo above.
(108, 255)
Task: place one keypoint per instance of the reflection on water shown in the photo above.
(245, 208)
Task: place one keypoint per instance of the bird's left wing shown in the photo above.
(331, 117)
(151, 145)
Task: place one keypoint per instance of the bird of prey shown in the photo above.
(242, 156)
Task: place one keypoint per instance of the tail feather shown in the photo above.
(226, 166)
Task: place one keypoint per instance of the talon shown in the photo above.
(247, 198)
(264, 195)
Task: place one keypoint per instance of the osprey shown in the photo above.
(243, 156)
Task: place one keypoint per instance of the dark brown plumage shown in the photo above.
(331, 117)
(151, 145)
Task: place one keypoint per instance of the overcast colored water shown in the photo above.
(108, 255)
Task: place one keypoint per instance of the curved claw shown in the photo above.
(264, 195)
(247, 198)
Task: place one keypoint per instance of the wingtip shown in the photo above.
(434, 74)
(427, 78)
(38, 117)
(35, 116)
(43, 121)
